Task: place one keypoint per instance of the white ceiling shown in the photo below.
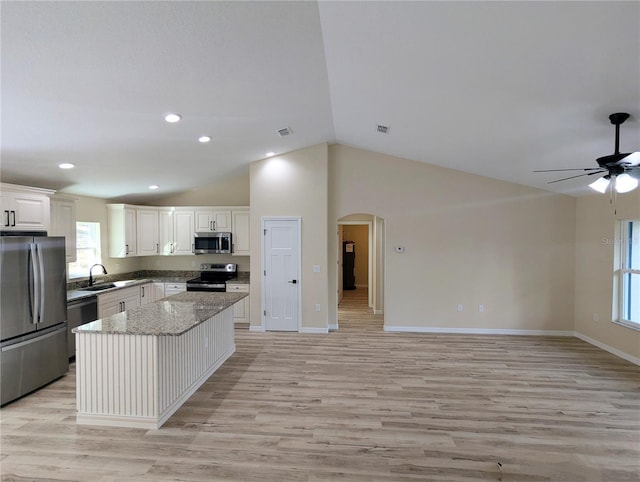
(493, 88)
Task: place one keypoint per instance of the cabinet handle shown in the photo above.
(142, 292)
(124, 306)
(171, 248)
(157, 248)
(214, 225)
(13, 213)
(126, 249)
(7, 221)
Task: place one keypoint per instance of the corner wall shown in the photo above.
(594, 290)
(468, 240)
(293, 184)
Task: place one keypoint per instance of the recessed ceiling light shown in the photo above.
(271, 154)
(66, 165)
(154, 186)
(172, 118)
(285, 131)
(204, 139)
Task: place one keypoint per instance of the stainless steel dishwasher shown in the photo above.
(80, 312)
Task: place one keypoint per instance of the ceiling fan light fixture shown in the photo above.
(601, 184)
(625, 183)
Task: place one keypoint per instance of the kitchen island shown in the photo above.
(136, 368)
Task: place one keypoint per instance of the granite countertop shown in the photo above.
(78, 292)
(170, 316)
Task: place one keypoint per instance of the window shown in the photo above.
(87, 249)
(629, 279)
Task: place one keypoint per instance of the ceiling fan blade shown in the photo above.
(632, 159)
(577, 169)
(579, 175)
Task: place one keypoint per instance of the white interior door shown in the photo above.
(281, 244)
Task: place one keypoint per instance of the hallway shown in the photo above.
(354, 313)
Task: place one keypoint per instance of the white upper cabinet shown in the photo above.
(240, 233)
(147, 234)
(122, 230)
(183, 229)
(212, 220)
(63, 223)
(25, 208)
(176, 228)
(168, 231)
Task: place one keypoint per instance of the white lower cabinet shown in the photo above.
(240, 309)
(118, 301)
(146, 294)
(174, 288)
(157, 291)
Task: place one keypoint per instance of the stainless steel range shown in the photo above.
(213, 277)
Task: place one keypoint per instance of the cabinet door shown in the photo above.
(222, 220)
(130, 234)
(108, 305)
(146, 294)
(183, 232)
(203, 221)
(240, 233)
(165, 231)
(29, 212)
(63, 223)
(239, 314)
(147, 232)
(157, 291)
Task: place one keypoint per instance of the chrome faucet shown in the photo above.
(104, 271)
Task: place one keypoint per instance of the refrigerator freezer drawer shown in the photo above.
(28, 364)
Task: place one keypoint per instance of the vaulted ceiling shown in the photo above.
(492, 88)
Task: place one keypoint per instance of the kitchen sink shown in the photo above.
(104, 286)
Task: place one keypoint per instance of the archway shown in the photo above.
(360, 246)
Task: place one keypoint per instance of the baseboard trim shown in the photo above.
(378, 312)
(257, 329)
(319, 331)
(475, 331)
(610, 349)
(333, 326)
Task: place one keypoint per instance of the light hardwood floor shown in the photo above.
(362, 405)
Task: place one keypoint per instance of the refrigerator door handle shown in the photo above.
(42, 280)
(34, 300)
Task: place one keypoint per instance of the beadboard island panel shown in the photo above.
(136, 368)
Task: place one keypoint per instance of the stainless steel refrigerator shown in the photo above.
(33, 313)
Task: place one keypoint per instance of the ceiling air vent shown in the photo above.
(285, 131)
(382, 129)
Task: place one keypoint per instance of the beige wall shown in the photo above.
(594, 278)
(293, 184)
(233, 191)
(191, 263)
(91, 209)
(468, 240)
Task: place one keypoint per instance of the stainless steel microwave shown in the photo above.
(212, 243)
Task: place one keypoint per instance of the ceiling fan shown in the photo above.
(620, 167)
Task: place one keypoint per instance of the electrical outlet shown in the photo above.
(596, 317)
(316, 268)
(193, 264)
(459, 307)
(206, 342)
(317, 306)
(481, 308)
